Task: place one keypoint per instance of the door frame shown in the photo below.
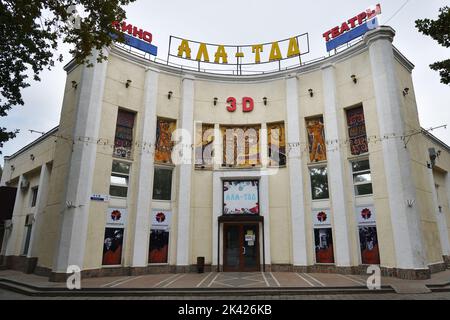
(241, 220)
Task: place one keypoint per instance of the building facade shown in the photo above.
(146, 172)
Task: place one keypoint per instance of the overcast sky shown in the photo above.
(255, 21)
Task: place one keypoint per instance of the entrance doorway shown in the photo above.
(241, 248)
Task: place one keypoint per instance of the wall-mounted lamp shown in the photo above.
(32, 157)
(169, 95)
(405, 92)
(13, 167)
(311, 93)
(215, 101)
(265, 101)
(127, 85)
(74, 85)
(440, 209)
(410, 203)
(355, 80)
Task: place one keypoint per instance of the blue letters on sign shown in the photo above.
(353, 34)
(139, 44)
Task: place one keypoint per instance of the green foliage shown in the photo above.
(439, 30)
(30, 31)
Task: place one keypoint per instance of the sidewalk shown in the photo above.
(222, 284)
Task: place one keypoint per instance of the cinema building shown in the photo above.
(341, 175)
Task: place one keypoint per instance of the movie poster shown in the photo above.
(241, 146)
(316, 139)
(204, 142)
(164, 143)
(357, 131)
(277, 144)
(241, 197)
(112, 246)
(159, 246)
(324, 245)
(370, 253)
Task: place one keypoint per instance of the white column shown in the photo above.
(185, 172)
(295, 175)
(264, 206)
(146, 170)
(41, 203)
(409, 248)
(440, 216)
(13, 245)
(73, 231)
(336, 168)
(447, 187)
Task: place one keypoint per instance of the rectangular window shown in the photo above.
(123, 142)
(204, 145)
(319, 183)
(362, 178)
(277, 144)
(241, 197)
(357, 131)
(34, 194)
(162, 184)
(164, 143)
(324, 245)
(316, 139)
(241, 146)
(120, 177)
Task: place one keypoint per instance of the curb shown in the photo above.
(31, 290)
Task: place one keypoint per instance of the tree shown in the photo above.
(30, 31)
(439, 30)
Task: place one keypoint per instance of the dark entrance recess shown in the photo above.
(241, 243)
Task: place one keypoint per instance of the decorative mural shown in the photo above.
(316, 139)
(241, 197)
(204, 143)
(276, 140)
(357, 131)
(241, 146)
(164, 143)
(123, 141)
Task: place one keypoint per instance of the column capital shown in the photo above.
(383, 32)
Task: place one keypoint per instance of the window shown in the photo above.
(119, 179)
(34, 194)
(319, 183)
(204, 145)
(357, 131)
(316, 139)
(362, 178)
(277, 144)
(124, 134)
(162, 184)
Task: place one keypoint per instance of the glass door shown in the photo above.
(241, 248)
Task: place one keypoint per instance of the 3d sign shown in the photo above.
(353, 28)
(248, 104)
(136, 38)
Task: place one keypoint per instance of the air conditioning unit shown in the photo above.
(24, 184)
(29, 220)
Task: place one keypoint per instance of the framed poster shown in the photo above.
(323, 238)
(368, 239)
(159, 246)
(112, 246)
(357, 131)
(241, 197)
(276, 139)
(204, 145)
